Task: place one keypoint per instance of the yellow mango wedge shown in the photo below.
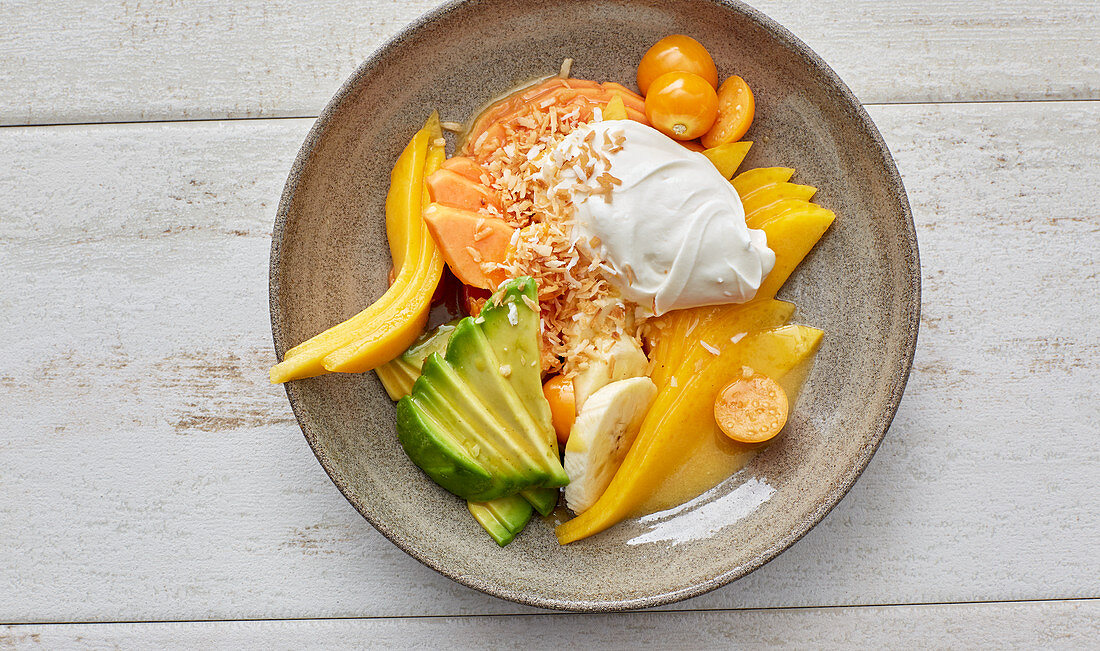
(615, 109)
(398, 305)
(680, 332)
(807, 211)
(716, 456)
(402, 203)
(676, 425)
(763, 214)
(770, 194)
(405, 202)
(750, 181)
(728, 157)
(403, 197)
(791, 236)
(719, 329)
(397, 332)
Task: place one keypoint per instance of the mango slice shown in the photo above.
(395, 319)
(750, 181)
(806, 211)
(677, 424)
(680, 332)
(615, 109)
(392, 334)
(770, 194)
(763, 214)
(728, 157)
(791, 236)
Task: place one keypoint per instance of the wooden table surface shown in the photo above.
(156, 491)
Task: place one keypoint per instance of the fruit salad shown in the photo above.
(613, 344)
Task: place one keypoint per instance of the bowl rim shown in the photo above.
(844, 482)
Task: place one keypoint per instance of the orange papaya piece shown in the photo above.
(467, 239)
(450, 188)
(539, 97)
(465, 166)
(693, 145)
(488, 141)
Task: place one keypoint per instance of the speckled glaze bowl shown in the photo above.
(861, 285)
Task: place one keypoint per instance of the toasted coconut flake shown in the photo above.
(481, 140)
(628, 271)
(575, 301)
(566, 68)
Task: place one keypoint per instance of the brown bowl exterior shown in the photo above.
(861, 285)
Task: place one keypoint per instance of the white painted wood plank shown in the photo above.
(92, 61)
(147, 470)
(1026, 625)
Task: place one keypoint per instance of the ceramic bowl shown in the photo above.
(861, 285)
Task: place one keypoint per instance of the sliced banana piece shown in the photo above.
(615, 359)
(601, 436)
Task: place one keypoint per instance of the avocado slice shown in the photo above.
(398, 374)
(434, 341)
(465, 417)
(487, 377)
(431, 448)
(478, 416)
(512, 328)
(483, 442)
(503, 517)
(543, 499)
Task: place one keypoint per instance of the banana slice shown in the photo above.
(601, 436)
(616, 359)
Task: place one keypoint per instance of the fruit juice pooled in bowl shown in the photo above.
(622, 349)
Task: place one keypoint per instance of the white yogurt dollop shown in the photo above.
(673, 231)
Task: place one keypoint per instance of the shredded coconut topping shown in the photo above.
(535, 182)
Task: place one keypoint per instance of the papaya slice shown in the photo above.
(693, 145)
(467, 239)
(487, 133)
(465, 166)
(450, 188)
